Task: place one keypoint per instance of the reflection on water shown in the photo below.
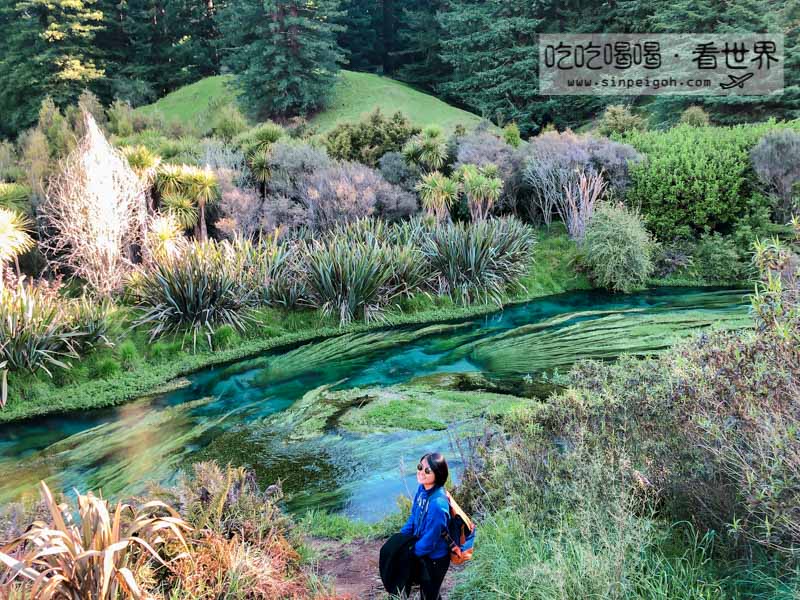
(224, 412)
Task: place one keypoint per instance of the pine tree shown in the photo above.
(492, 48)
(46, 49)
(283, 52)
(362, 36)
(419, 44)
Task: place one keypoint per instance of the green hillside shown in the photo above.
(355, 95)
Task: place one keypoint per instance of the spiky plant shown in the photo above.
(195, 291)
(428, 149)
(88, 551)
(348, 278)
(171, 179)
(14, 239)
(479, 261)
(142, 160)
(259, 138)
(259, 164)
(438, 193)
(15, 196)
(181, 209)
(165, 236)
(37, 334)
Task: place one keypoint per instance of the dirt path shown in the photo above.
(353, 569)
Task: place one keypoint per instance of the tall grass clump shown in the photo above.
(193, 292)
(348, 278)
(479, 261)
(618, 249)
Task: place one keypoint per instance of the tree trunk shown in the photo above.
(203, 231)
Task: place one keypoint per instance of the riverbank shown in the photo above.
(136, 367)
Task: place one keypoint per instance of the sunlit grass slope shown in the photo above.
(355, 95)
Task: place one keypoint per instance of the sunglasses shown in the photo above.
(427, 469)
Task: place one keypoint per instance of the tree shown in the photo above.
(419, 36)
(46, 49)
(283, 52)
(492, 49)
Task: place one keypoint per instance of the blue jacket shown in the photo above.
(429, 515)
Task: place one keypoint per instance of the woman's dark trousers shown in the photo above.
(429, 573)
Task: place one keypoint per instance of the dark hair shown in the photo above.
(439, 467)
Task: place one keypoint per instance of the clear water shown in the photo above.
(230, 413)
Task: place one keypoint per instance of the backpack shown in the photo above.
(460, 533)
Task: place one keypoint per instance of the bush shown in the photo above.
(91, 321)
(617, 248)
(226, 121)
(9, 163)
(194, 291)
(620, 120)
(350, 191)
(695, 116)
(695, 178)
(397, 171)
(290, 163)
(128, 355)
(716, 259)
(259, 138)
(367, 141)
(776, 161)
(512, 136)
(479, 261)
(552, 163)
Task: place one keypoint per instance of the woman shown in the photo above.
(429, 516)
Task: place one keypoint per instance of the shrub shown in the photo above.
(14, 238)
(226, 121)
(128, 355)
(397, 171)
(620, 120)
(351, 191)
(512, 136)
(580, 199)
(673, 257)
(9, 163)
(553, 163)
(225, 337)
(695, 116)
(776, 161)
(695, 178)
(239, 208)
(618, 250)
(272, 269)
(120, 118)
(105, 368)
(367, 141)
(479, 261)
(716, 259)
(194, 291)
(290, 163)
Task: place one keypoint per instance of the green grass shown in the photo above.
(323, 524)
(355, 95)
(187, 104)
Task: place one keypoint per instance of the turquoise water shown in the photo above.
(231, 413)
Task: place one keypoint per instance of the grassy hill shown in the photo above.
(355, 95)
